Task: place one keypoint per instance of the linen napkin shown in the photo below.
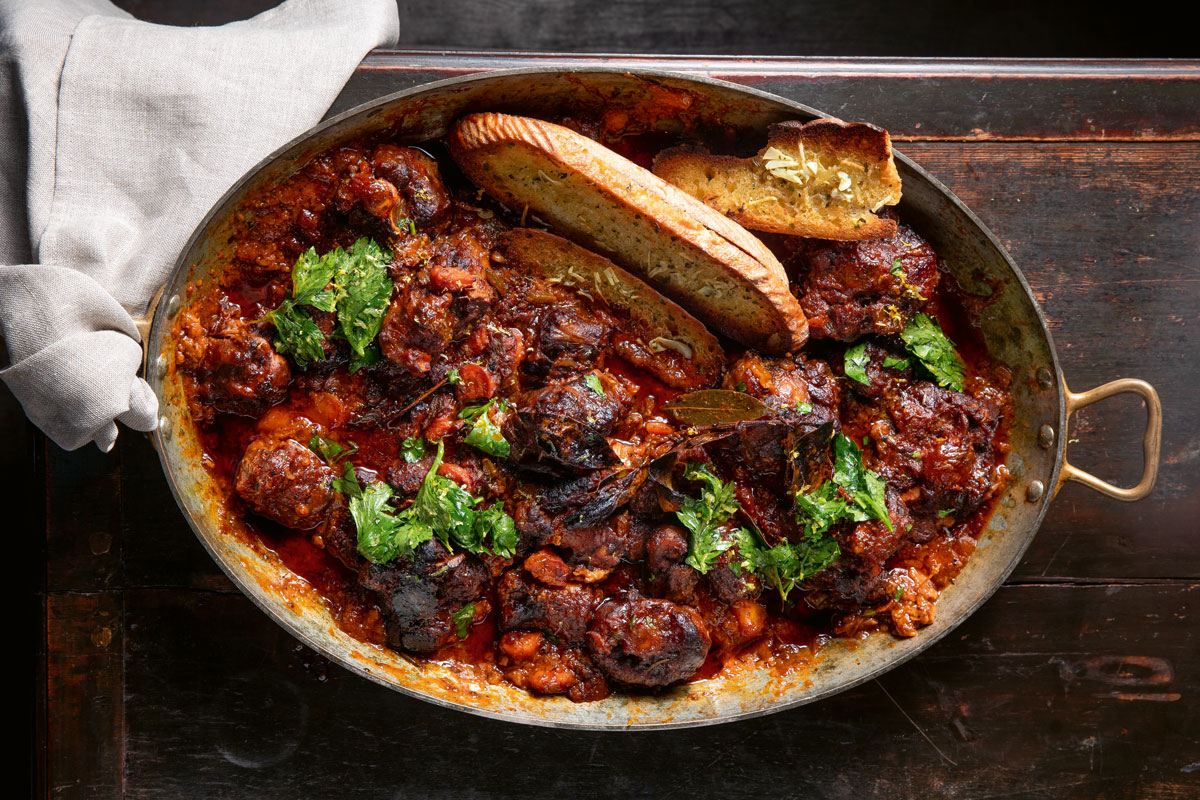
(116, 137)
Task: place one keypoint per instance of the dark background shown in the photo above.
(1016, 28)
(765, 27)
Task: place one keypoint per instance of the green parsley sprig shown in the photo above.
(485, 435)
(352, 283)
(924, 339)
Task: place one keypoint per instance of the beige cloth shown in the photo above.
(116, 137)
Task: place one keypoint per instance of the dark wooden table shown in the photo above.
(156, 678)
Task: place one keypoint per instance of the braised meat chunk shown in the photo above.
(422, 195)
(849, 289)
(419, 594)
(285, 482)
(562, 612)
(940, 444)
(565, 424)
(236, 370)
(647, 643)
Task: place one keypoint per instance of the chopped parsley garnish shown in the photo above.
(740, 387)
(786, 565)
(352, 283)
(333, 453)
(803, 407)
(945, 512)
(441, 508)
(412, 450)
(485, 435)
(925, 340)
(462, 620)
(702, 515)
(593, 382)
(852, 493)
(856, 363)
(452, 377)
(891, 362)
(899, 595)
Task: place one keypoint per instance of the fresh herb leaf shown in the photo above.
(485, 434)
(593, 382)
(364, 289)
(899, 594)
(702, 515)
(925, 340)
(372, 355)
(353, 283)
(384, 535)
(296, 334)
(740, 387)
(803, 407)
(412, 450)
(501, 528)
(852, 493)
(856, 363)
(441, 508)
(348, 484)
(452, 377)
(891, 362)
(330, 450)
(945, 512)
(789, 564)
(333, 452)
(896, 270)
(462, 619)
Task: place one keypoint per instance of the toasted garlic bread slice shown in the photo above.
(704, 261)
(822, 179)
(674, 345)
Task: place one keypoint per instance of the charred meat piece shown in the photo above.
(566, 341)
(647, 643)
(423, 196)
(419, 593)
(940, 442)
(562, 612)
(666, 573)
(849, 289)
(236, 370)
(564, 425)
(284, 481)
(728, 581)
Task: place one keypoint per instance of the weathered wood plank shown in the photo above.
(1049, 691)
(83, 521)
(1107, 236)
(85, 723)
(915, 99)
(161, 548)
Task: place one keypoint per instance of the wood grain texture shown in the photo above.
(225, 704)
(1078, 679)
(85, 721)
(914, 99)
(867, 27)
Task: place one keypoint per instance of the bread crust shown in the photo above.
(858, 155)
(552, 257)
(701, 259)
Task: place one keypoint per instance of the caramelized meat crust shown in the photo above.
(849, 289)
(285, 482)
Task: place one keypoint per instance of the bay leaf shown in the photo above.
(714, 406)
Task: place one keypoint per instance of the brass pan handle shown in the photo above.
(1151, 444)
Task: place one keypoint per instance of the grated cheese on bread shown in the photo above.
(704, 261)
(822, 179)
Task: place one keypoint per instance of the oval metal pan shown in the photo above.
(1013, 328)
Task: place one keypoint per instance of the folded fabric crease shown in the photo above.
(117, 137)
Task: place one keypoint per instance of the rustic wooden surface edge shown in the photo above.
(1077, 680)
